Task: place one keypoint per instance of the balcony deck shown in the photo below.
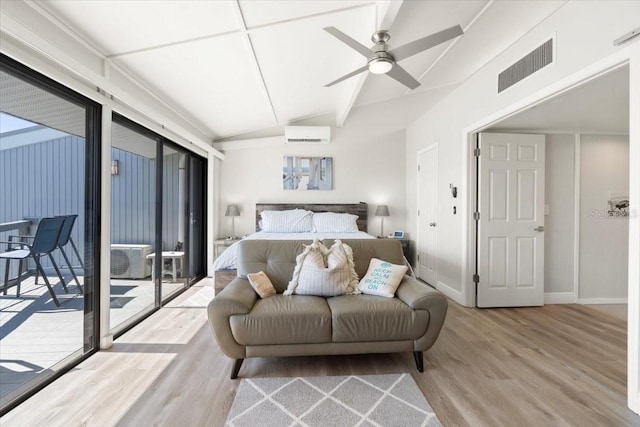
(36, 336)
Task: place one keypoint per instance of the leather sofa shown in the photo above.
(299, 325)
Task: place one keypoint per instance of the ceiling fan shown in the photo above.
(381, 60)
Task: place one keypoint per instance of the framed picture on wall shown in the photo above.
(307, 173)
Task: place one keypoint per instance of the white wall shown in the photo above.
(367, 167)
(584, 34)
(604, 241)
(559, 223)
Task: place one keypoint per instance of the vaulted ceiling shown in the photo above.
(235, 67)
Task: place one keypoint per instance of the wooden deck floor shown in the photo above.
(555, 365)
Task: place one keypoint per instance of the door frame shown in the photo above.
(629, 56)
(420, 235)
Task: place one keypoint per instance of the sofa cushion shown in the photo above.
(261, 284)
(389, 250)
(324, 272)
(357, 318)
(382, 278)
(277, 258)
(279, 319)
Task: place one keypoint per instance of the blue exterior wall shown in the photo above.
(47, 179)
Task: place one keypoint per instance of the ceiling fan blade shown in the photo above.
(417, 46)
(351, 74)
(400, 74)
(363, 50)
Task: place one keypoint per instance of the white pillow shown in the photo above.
(330, 222)
(382, 278)
(324, 272)
(290, 221)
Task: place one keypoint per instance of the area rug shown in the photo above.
(364, 400)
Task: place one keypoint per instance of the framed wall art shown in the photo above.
(307, 173)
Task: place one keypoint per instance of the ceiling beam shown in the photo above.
(254, 59)
(453, 43)
(386, 12)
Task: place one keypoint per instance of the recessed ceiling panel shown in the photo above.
(257, 13)
(125, 26)
(214, 80)
(298, 58)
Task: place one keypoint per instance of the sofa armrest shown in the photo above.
(238, 297)
(420, 296)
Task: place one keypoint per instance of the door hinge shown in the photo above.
(476, 152)
(476, 216)
(418, 257)
(476, 278)
(418, 212)
(418, 168)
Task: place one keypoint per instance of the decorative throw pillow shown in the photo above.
(261, 284)
(382, 278)
(330, 222)
(324, 272)
(289, 221)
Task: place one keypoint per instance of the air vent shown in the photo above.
(529, 64)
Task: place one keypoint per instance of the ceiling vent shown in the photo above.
(307, 134)
(529, 64)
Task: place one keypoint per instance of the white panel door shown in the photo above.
(428, 215)
(511, 226)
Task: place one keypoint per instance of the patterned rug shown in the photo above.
(365, 400)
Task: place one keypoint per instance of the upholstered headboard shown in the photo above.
(359, 209)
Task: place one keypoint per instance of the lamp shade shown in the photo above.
(232, 210)
(382, 210)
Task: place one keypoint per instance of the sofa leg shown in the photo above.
(236, 368)
(417, 355)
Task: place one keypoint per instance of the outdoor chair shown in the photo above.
(63, 240)
(44, 242)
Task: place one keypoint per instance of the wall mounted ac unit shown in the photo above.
(130, 261)
(307, 134)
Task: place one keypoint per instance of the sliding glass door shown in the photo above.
(174, 209)
(134, 165)
(157, 210)
(197, 219)
(49, 181)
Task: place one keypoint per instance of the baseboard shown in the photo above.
(450, 292)
(560, 298)
(603, 301)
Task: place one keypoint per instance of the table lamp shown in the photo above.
(382, 211)
(232, 211)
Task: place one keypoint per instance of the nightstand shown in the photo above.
(221, 245)
(406, 247)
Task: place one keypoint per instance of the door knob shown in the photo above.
(539, 229)
(432, 224)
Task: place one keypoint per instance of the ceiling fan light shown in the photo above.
(380, 65)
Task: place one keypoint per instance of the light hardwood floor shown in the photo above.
(554, 365)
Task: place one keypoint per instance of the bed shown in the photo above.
(227, 260)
